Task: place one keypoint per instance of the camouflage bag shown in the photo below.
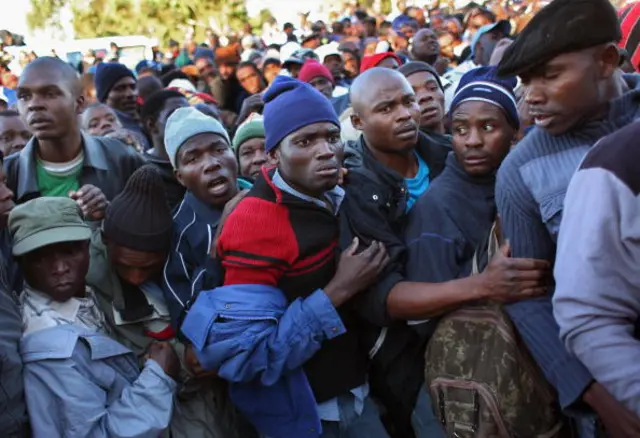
(482, 380)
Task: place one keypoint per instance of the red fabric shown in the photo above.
(312, 69)
(251, 256)
(629, 19)
(374, 60)
(164, 335)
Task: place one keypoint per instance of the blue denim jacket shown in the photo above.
(82, 384)
(258, 341)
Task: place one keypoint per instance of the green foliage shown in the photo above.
(163, 19)
(44, 13)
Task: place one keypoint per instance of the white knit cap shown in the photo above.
(185, 123)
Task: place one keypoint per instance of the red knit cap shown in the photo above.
(629, 20)
(374, 60)
(312, 69)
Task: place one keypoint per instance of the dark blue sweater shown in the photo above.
(447, 224)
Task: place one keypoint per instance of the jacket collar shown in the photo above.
(361, 155)
(60, 341)
(205, 213)
(94, 157)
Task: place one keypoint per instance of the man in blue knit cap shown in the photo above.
(117, 87)
(303, 374)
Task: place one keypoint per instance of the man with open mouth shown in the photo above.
(199, 150)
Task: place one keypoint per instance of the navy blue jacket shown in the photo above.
(189, 268)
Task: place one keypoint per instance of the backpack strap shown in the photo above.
(489, 247)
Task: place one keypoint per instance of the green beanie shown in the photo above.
(252, 128)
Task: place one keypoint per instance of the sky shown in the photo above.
(14, 17)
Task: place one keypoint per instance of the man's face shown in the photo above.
(14, 134)
(48, 103)
(100, 121)
(409, 31)
(564, 91)
(351, 64)
(124, 96)
(135, 267)
(323, 85)
(208, 169)
(482, 137)
(270, 72)
(390, 118)
(249, 79)
(251, 157)
(226, 71)
(486, 45)
(310, 158)
(312, 44)
(205, 66)
(157, 128)
(6, 199)
(335, 65)
(58, 270)
(430, 98)
(294, 70)
(425, 46)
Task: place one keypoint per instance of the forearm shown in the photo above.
(414, 301)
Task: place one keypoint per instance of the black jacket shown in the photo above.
(108, 164)
(375, 209)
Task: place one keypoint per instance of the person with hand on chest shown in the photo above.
(279, 251)
(60, 160)
(200, 152)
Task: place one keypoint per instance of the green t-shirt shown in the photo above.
(58, 182)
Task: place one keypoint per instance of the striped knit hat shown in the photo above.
(483, 84)
(629, 20)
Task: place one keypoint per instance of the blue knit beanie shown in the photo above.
(107, 74)
(483, 84)
(291, 105)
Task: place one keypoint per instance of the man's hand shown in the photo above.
(164, 354)
(92, 202)
(193, 365)
(618, 421)
(356, 272)
(228, 208)
(508, 279)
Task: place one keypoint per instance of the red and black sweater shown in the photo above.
(276, 239)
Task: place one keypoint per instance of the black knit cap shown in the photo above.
(563, 26)
(416, 66)
(139, 218)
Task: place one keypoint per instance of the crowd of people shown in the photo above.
(424, 227)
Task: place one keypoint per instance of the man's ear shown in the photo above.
(80, 104)
(150, 125)
(274, 156)
(356, 121)
(609, 60)
(178, 176)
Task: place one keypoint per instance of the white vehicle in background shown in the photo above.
(133, 49)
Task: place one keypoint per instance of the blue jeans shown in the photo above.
(424, 422)
(352, 425)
